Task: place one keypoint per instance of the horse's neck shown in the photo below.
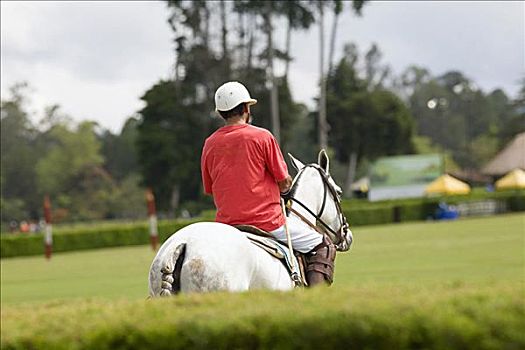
(310, 193)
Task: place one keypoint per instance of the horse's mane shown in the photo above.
(295, 181)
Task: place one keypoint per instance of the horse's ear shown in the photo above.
(297, 164)
(323, 161)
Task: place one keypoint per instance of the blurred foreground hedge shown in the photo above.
(358, 212)
(449, 316)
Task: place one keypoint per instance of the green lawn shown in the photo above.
(469, 250)
(108, 273)
(472, 251)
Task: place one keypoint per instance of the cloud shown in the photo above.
(485, 40)
(96, 59)
(96, 40)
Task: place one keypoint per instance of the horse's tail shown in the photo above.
(170, 271)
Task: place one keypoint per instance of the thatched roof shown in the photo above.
(510, 158)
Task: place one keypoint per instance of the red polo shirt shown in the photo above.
(241, 165)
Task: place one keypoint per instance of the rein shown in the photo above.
(327, 186)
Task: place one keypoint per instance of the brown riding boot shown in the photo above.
(320, 263)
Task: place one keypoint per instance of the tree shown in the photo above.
(170, 133)
(322, 122)
(119, 150)
(302, 142)
(411, 80)
(366, 124)
(375, 72)
(515, 122)
(357, 6)
(18, 157)
(458, 116)
(128, 199)
(120, 162)
(168, 160)
(274, 93)
(424, 145)
(267, 11)
(91, 197)
(291, 116)
(323, 125)
(64, 160)
(298, 16)
(71, 171)
(70, 154)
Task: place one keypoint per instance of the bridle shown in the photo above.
(336, 236)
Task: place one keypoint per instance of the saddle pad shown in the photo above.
(278, 250)
(252, 229)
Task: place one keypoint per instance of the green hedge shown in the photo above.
(91, 238)
(358, 212)
(374, 317)
(364, 216)
(362, 212)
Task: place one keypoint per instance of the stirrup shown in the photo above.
(296, 279)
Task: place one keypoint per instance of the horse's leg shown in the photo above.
(320, 263)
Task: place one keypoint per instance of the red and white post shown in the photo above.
(152, 215)
(48, 235)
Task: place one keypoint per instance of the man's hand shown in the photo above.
(284, 185)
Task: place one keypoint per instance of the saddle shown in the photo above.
(293, 261)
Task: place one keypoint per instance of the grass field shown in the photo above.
(482, 250)
(421, 285)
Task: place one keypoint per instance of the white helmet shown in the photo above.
(229, 95)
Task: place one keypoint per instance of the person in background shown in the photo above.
(24, 226)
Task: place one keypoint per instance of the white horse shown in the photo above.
(211, 256)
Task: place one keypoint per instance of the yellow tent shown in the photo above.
(446, 184)
(513, 180)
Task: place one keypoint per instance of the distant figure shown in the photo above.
(13, 226)
(33, 227)
(446, 212)
(24, 226)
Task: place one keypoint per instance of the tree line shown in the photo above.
(88, 172)
(363, 111)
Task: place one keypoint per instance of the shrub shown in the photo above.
(363, 212)
(369, 216)
(440, 317)
(91, 238)
(358, 212)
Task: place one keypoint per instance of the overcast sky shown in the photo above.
(95, 59)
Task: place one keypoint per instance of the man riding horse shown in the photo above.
(245, 172)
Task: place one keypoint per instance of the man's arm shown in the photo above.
(284, 185)
(206, 178)
(276, 164)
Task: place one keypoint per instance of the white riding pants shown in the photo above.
(303, 237)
